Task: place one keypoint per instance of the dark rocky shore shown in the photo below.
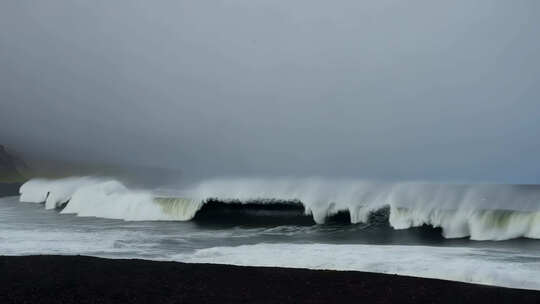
(81, 279)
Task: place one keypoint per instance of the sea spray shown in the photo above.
(481, 212)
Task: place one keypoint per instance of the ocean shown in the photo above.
(481, 233)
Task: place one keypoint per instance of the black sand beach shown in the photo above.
(81, 279)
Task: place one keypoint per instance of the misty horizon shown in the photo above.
(371, 90)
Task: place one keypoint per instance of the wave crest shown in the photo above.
(481, 212)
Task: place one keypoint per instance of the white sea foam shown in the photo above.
(26, 233)
(473, 265)
(478, 224)
(106, 199)
(53, 192)
(482, 212)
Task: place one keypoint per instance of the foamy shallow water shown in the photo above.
(509, 268)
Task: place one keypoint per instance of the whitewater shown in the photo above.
(486, 234)
(481, 212)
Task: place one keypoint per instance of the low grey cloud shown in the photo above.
(391, 90)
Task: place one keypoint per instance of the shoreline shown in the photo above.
(85, 279)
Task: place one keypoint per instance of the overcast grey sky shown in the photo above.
(392, 90)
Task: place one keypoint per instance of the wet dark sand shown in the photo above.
(81, 279)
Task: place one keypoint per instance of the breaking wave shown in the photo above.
(480, 212)
(109, 199)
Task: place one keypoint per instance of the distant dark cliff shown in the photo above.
(11, 167)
